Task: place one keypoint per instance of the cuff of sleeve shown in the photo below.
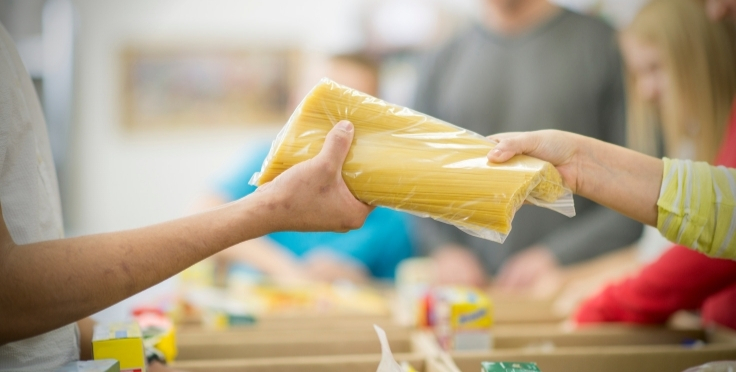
(685, 202)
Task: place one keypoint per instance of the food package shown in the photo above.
(159, 332)
(462, 318)
(508, 367)
(408, 161)
(122, 342)
(103, 365)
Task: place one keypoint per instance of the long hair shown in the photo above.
(700, 62)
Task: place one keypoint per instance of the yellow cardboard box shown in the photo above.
(122, 342)
(463, 319)
(464, 309)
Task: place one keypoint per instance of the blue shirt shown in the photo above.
(382, 242)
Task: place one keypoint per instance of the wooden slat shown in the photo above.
(340, 363)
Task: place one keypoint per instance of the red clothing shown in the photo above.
(681, 279)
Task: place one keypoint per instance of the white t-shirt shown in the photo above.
(29, 194)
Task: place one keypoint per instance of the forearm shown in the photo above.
(621, 179)
(49, 284)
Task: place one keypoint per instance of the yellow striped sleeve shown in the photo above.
(696, 207)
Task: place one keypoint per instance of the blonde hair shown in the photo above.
(700, 61)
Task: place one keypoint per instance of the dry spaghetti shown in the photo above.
(411, 162)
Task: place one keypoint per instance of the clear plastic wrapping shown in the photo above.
(408, 161)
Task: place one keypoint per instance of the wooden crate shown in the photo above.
(260, 344)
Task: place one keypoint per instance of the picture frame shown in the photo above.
(168, 88)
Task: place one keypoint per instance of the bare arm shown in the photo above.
(262, 253)
(49, 284)
(616, 177)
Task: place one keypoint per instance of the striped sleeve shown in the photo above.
(696, 207)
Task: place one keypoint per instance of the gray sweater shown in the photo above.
(565, 74)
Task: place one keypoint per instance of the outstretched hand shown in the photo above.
(557, 147)
(615, 177)
(312, 195)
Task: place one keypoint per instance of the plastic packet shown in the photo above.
(408, 161)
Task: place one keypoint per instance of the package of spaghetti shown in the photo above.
(408, 161)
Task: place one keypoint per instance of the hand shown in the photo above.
(557, 147)
(455, 265)
(528, 270)
(312, 195)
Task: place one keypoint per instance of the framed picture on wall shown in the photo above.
(179, 88)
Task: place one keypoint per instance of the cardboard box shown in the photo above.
(301, 322)
(606, 348)
(461, 318)
(612, 359)
(316, 344)
(198, 337)
(122, 342)
(603, 335)
(721, 345)
(233, 345)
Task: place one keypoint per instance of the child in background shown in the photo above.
(681, 87)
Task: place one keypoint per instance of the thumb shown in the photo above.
(337, 144)
(509, 146)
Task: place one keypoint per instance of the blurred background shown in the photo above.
(149, 103)
(126, 158)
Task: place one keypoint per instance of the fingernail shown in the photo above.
(495, 153)
(345, 125)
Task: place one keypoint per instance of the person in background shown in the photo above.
(653, 191)
(530, 65)
(682, 86)
(372, 251)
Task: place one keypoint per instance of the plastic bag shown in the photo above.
(408, 161)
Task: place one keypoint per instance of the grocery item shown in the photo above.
(159, 333)
(508, 367)
(462, 318)
(122, 342)
(412, 162)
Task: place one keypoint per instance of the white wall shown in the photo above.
(124, 180)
